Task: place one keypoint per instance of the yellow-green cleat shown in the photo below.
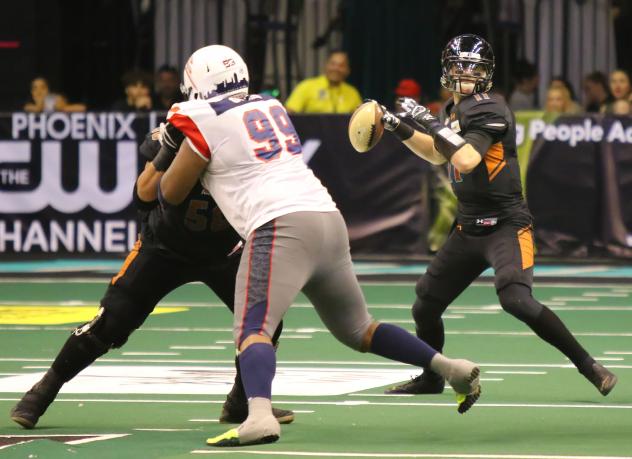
(231, 438)
(465, 401)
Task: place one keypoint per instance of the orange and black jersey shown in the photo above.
(194, 231)
(491, 194)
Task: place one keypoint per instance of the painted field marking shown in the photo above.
(396, 455)
(203, 420)
(515, 372)
(346, 403)
(618, 352)
(304, 362)
(317, 330)
(82, 438)
(140, 353)
(573, 298)
(166, 430)
(606, 294)
(195, 348)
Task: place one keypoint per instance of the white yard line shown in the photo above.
(590, 406)
(166, 430)
(396, 455)
(140, 353)
(196, 348)
(515, 372)
(304, 362)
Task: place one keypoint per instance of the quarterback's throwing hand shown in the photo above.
(411, 109)
(390, 120)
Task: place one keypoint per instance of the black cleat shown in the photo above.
(234, 412)
(465, 402)
(35, 402)
(425, 383)
(602, 378)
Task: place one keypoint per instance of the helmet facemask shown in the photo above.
(467, 75)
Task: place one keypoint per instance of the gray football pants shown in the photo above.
(301, 251)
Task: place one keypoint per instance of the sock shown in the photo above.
(551, 329)
(395, 343)
(77, 354)
(258, 365)
(428, 322)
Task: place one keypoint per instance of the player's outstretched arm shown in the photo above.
(182, 175)
(446, 142)
(419, 143)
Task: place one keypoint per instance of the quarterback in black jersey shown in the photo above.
(190, 242)
(475, 136)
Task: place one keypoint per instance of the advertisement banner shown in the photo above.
(579, 185)
(66, 184)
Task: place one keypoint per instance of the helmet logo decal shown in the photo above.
(468, 55)
(228, 62)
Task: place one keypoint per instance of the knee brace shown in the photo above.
(517, 300)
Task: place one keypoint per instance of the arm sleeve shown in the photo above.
(480, 140)
(487, 123)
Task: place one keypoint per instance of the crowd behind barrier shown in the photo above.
(66, 184)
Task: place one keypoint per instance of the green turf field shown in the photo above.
(160, 396)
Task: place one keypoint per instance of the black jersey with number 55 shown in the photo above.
(491, 194)
(194, 231)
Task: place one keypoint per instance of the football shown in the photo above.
(366, 127)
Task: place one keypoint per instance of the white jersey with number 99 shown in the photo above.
(255, 169)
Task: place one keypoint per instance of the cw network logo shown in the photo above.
(49, 192)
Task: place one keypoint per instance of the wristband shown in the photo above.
(163, 159)
(403, 131)
(447, 142)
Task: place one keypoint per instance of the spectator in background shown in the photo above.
(559, 82)
(167, 88)
(620, 90)
(620, 107)
(526, 82)
(559, 102)
(596, 92)
(44, 101)
(407, 88)
(137, 93)
(327, 93)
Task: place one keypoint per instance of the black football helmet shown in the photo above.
(471, 56)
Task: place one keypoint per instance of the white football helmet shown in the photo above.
(214, 71)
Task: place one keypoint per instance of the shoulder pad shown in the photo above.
(187, 117)
(485, 112)
(223, 105)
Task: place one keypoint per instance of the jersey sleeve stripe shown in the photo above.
(193, 134)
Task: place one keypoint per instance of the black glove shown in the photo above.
(150, 146)
(446, 141)
(419, 113)
(393, 124)
(171, 139)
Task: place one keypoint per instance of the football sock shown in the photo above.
(258, 365)
(77, 353)
(551, 329)
(518, 301)
(395, 343)
(429, 326)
